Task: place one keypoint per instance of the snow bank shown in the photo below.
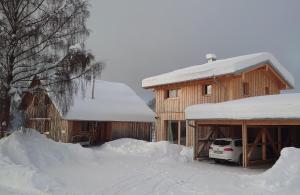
(35, 150)
(31, 164)
(26, 155)
(284, 176)
(157, 151)
(280, 106)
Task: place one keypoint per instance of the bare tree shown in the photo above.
(42, 39)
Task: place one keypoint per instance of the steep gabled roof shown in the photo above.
(230, 66)
(112, 102)
(283, 106)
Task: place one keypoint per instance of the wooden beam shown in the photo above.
(279, 140)
(271, 141)
(253, 147)
(245, 144)
(243, 76)
(280, 78)
(195, 143)
(274, 122)
(220, 122)
(179, 132)
(255, 122)
(264, 144)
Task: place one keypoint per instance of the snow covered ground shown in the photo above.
(32, 164)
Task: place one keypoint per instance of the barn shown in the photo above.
(101, 112)
(266, 123)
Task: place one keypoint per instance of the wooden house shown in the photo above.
(115, 111)
(215, 81)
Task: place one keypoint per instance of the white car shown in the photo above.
(229, 149)
(226, 149)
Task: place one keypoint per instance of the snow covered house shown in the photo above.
(114, 112)
(215, 81)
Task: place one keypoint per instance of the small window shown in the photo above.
(172, 93)
(207, 89)
(220, 142)
(245, 88)
(267, 90)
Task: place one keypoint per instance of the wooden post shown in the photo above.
(279, 140)
(264, 144)
(179, 132)
(195, 143)
(245, 144)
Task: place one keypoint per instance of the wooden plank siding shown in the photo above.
(228, 87)
(45, 118)
(135, 130)
(103, 131)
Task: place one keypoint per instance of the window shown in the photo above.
(245, 88)
(267, 90)
(173, 93)
(182, 133)
(238, 143)
(207, 89)
(176, 132)
(220, 142)
(172, 131)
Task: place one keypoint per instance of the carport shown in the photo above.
(265, 124)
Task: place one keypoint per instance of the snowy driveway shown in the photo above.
(32, 164)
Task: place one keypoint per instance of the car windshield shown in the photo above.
(219, 142)
(238, 143)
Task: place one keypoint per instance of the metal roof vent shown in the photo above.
(211, 57)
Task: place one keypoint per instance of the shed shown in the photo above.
(113, 111)
(267, 122)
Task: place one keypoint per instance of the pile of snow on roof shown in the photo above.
(234, 65)
(112, 102)
(283, 106)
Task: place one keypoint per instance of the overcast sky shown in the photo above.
(141, 38)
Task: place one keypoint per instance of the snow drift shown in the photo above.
(159, 151)
(285, 174)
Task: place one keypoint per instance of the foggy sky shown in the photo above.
(141, 38)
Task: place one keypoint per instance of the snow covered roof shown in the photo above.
(112, 102)
(283, 106)
(234, 65)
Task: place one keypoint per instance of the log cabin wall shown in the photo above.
(261, 81)
(101, 131)
(42, 115)
(136, 130)
(95, 132)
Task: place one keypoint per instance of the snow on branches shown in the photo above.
(42, 39)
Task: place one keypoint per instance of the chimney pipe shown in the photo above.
(211, 57)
